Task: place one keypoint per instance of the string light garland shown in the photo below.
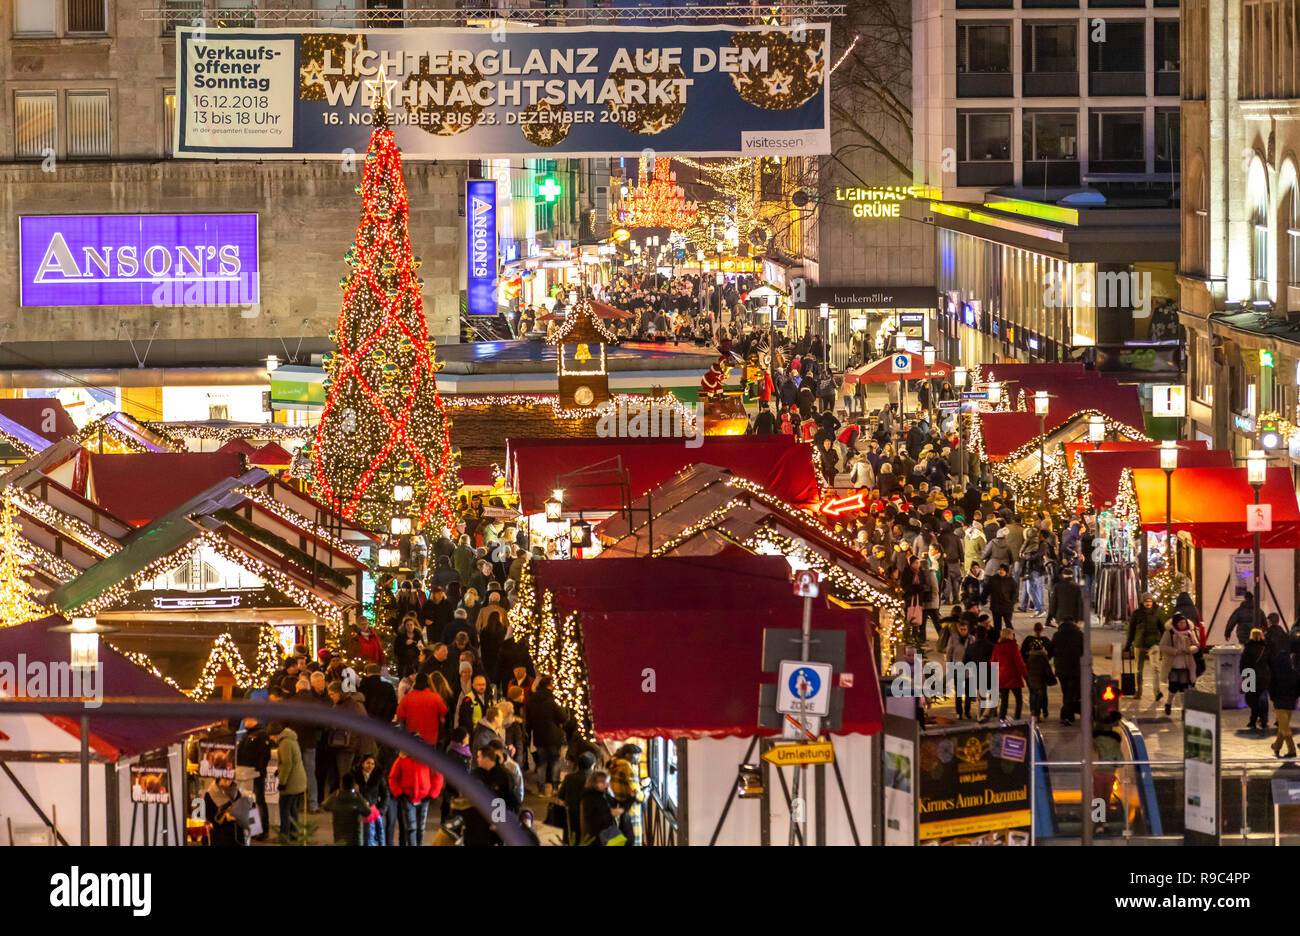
(114, 441)
(224, 652)
(383, 422)
(177, 432)
(657, 200)
(556, 647)
(74, 528)
(17, 601)
(17, 444)
(297, 520)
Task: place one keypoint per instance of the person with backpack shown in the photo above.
(1036, 650)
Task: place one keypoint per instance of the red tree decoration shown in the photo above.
(383, 424)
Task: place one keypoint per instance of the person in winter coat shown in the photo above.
(488, 770)
(599, 814)
(1000, 593)
(372, 783)
(379, 695)
(367, 644)
(406, 645)
(1242, 620)
(1067, 598)
(1257, 672)
(414, 785)
(292, 776)
(472, 704)
(545, 722)
(1284, 689)
(972, 587)
(1067, 652)
(422, 709)
(1179, 647)
(350, 810)
(219, 807)
(1011, 672)
(997, 553)
(963, 689)
(1036, 651)
(1146, 627)
(572, 788)
(348, 745)
(1275, 635)
(980, 652)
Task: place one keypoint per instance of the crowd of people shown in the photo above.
(455, 675)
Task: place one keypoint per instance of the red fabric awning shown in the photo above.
(44, 416)
(271, 455)
(703, 637)
(779, 463)
(882, 371)
(141, 487)
(1210, 503)
(1004, 432)
(1104, 468)
(1072, 449)
(238, 445)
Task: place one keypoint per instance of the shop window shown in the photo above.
(1166, 56)
(88, 130)
(1257, 193)
(35, 126)
(1115, 142)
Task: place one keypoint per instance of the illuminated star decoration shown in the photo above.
(778, 83)
(381, 86)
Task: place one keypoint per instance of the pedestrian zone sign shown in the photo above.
(803, 688)
(902, 363)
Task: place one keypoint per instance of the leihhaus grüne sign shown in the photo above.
(138, 260)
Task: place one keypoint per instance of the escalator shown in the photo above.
(1132, 804)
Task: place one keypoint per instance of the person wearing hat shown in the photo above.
(997, 553)
(1146, 628)
(625, 786)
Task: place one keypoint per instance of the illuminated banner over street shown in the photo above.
(138, 260)
(481, 246)
(471, 93)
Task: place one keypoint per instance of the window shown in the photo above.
(34, 124)
(1049, 146)
(33, 18)
(1115, 142)
(86, 16)
(984, 60)
(1118, 65)
(88, 124)
(1050, 59)
(1166, 56)
(1269, 49)
(1202, 365)
(1196, 222)
(1167, 139)
(1291, 217)
(984, 148)
(169, 121)
(1257, 193)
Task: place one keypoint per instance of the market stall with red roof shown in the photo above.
(1210, 506)
(1099, 472)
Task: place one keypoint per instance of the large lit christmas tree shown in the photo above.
(383, 424)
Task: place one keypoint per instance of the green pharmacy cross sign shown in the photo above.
(549, 189)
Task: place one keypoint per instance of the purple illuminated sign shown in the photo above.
(138, 260)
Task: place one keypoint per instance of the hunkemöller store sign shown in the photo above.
(138, 260)
(869, 297)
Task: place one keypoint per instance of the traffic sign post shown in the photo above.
(803, 688)
(975, 395)
(901, 362)
(1259, 518)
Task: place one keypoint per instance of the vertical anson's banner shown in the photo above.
(481, 245)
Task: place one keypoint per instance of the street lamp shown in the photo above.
(927, 357)
(959, 382)
(402, 493)
(554, 505)
(1041, 399)
(995, 392)
(83, 657)
(1256, 472)
(1096, 431)
(390, 556)
(400, 526)
(1169, 462)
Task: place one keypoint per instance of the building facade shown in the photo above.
(1050, 130)
(87, 110)
(1239, 272)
